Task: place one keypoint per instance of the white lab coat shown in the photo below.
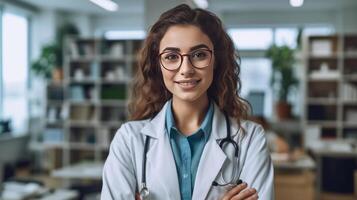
(123, 167)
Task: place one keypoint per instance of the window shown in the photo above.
(252, 38)
(255, 77)
(286, 36)
(116, 34)
(14, 80)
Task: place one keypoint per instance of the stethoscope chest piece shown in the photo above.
(144, 192)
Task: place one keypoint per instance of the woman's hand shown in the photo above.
(137, 196)
(241, 192)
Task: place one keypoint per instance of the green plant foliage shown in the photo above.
(44, 65)
(52, 54)
(283, 76)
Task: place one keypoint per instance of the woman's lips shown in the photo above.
(188, 84)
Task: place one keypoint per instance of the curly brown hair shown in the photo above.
(149, 93)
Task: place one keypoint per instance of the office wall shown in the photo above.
(343, 19)
(127, 21)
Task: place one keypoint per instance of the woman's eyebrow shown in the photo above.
(171, 49)
(200, 46)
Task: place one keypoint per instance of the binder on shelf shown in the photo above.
(114, 92)
(77, 93)
(321, 47)
(53, 135)
(117, 50)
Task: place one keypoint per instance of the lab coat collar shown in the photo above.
(156, 127)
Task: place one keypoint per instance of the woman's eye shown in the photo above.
(199, 55)
(171, 57)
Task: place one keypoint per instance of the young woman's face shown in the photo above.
(190, 80)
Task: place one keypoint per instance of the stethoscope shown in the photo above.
(144, 191)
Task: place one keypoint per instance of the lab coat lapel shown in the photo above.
(161, 168)
(212, 158)
(211, 162)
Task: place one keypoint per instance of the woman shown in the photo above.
(184, 102)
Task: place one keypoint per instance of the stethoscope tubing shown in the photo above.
(144, 191)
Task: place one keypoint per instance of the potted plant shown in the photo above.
(283, 79)
(50, 63)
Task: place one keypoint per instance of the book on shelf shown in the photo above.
(103, 137)
(321, 47)
(94, 69)
(77, 93)
(117, 50)
(81, 113)
(349, 92)
(351, 115)
(54, 114)
(74, 52)
(53, 135)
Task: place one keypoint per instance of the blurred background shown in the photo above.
(66, 68)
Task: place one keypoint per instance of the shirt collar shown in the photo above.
(205, 127)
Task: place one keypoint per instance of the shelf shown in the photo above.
(350, 77)
(111, 123)
(323, 101)
(55, 102)
(51, 145)
(93, 96)
(115, 81)
(323, 123)
(81, 123)
(58, 123)
(327, 57)
(83, 58)
(81, 146)
(347, 124)
(85, 81)
(118, 103)
(331, 85)
(109, 58)
(349, 102)
(82, 102)
(350, 55)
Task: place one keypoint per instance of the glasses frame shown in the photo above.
(189, 59)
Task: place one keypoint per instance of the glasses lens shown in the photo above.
(201, 58)
(170, 60)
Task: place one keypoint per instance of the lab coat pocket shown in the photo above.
(217, 192)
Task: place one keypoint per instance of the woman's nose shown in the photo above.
(186, 66)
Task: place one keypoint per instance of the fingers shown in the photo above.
(247, 194)
(137, 196)
(253, 197)
(234, 191)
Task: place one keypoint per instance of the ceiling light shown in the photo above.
(201, 3)
(296, 3)
(106, 4)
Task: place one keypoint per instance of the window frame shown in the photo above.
(25, 13)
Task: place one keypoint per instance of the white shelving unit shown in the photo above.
(331, 85)
(97, 74)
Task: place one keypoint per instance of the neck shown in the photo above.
(189, 115)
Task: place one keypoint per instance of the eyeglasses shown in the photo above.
(172, 60)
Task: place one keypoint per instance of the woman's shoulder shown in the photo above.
(133, 127)
(250, 125)
(252, 130)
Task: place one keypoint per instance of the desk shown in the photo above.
(61, 195)
(294, 179)
(23, 191)
(304, 162)
(83, 171)
(328, 152)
